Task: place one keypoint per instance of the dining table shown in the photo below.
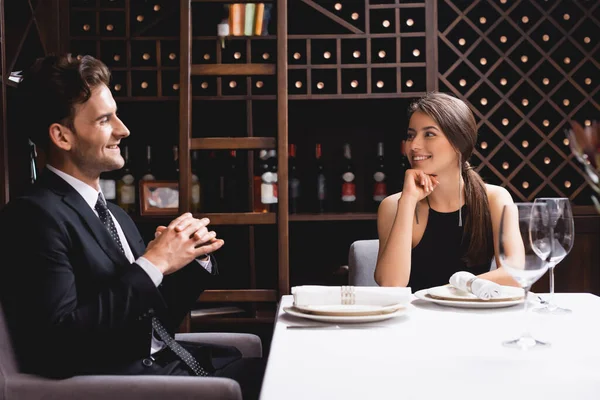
(441, 352)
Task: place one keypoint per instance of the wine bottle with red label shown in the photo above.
(348, 182)
(379, 178)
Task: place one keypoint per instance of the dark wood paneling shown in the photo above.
(233, 69)
(580, 270)
(209, 296)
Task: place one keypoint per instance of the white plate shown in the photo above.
(345, 319)
(346, 310)
(423, 295)
(448, 292)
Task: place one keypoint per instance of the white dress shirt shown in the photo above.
(90, 195)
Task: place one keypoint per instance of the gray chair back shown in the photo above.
(362, 260)
(8, 364)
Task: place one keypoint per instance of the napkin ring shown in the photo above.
(470, 284)
(348, 295)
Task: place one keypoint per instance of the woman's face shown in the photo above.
(427, 147)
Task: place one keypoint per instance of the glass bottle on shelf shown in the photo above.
(268, 187)
(231, 184)
(348, 184)
(263, 167)
(404, 164)
(196, 192)
(174, 172)
(148, 174)
(108, 186)
(321, 181)
(294, 181)
(212, 183)
(379, 178)
(126, 186)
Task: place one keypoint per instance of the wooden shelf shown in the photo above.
(247, 218)
(241, 218)
(392, 6)
(230, 37)
(356, 66)
(216, 143)
(153, 68)
(263, 97)
(233, 69)
(240, 295)
(229, 1)
(94, 8)
(334, 217)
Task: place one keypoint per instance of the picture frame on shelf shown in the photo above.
(159, 198)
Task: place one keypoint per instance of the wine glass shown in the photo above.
(562, 231)
(521, 225)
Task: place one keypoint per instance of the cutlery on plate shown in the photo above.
(334, 326)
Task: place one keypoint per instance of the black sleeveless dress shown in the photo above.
(439, 253)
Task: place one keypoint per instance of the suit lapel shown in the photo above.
(74, 200)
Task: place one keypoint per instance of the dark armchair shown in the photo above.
(15, 385)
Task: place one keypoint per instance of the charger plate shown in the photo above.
(425, 296)
(448, 292)
(344, 310)
(346, 318)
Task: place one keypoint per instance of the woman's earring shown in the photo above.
(460, 192)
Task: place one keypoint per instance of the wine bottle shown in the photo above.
(379, 178)
(348, 184)
(212, 183)
(108, 186)
(321, 181)
(294, 184)
(126, 186)
(174, 173)
(262, 167)
(196, 199)
(404, 164)
(148, 175)
(231, 184)
(268, 187)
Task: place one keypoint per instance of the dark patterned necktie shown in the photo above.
(106, 219)
(158, 327)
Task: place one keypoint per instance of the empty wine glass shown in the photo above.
(562, 230)
(521, 225)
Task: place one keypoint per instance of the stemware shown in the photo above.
(522, 225)
(562, 231)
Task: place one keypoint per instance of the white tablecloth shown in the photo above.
(437, 352)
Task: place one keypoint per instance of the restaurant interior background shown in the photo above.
(317, 72)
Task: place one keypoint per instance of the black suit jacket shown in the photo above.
(74, 303)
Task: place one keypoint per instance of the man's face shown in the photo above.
(97, 133)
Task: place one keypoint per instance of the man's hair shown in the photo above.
(52, 87)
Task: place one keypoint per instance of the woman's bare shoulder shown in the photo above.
(497, 195)
(390, 203)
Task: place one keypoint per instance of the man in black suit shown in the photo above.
(81, 292)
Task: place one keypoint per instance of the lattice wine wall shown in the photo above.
(526, 68)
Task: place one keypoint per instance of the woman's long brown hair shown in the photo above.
(456, 120)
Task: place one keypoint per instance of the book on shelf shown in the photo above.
(259, 15)
(236, 19)
(249, 19)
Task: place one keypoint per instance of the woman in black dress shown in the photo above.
(446, 219)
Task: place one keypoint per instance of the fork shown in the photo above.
(334, 326)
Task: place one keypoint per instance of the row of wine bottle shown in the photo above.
(220, 183)
(338, 196)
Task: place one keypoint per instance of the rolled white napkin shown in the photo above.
(482, 288)
(313, 295)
